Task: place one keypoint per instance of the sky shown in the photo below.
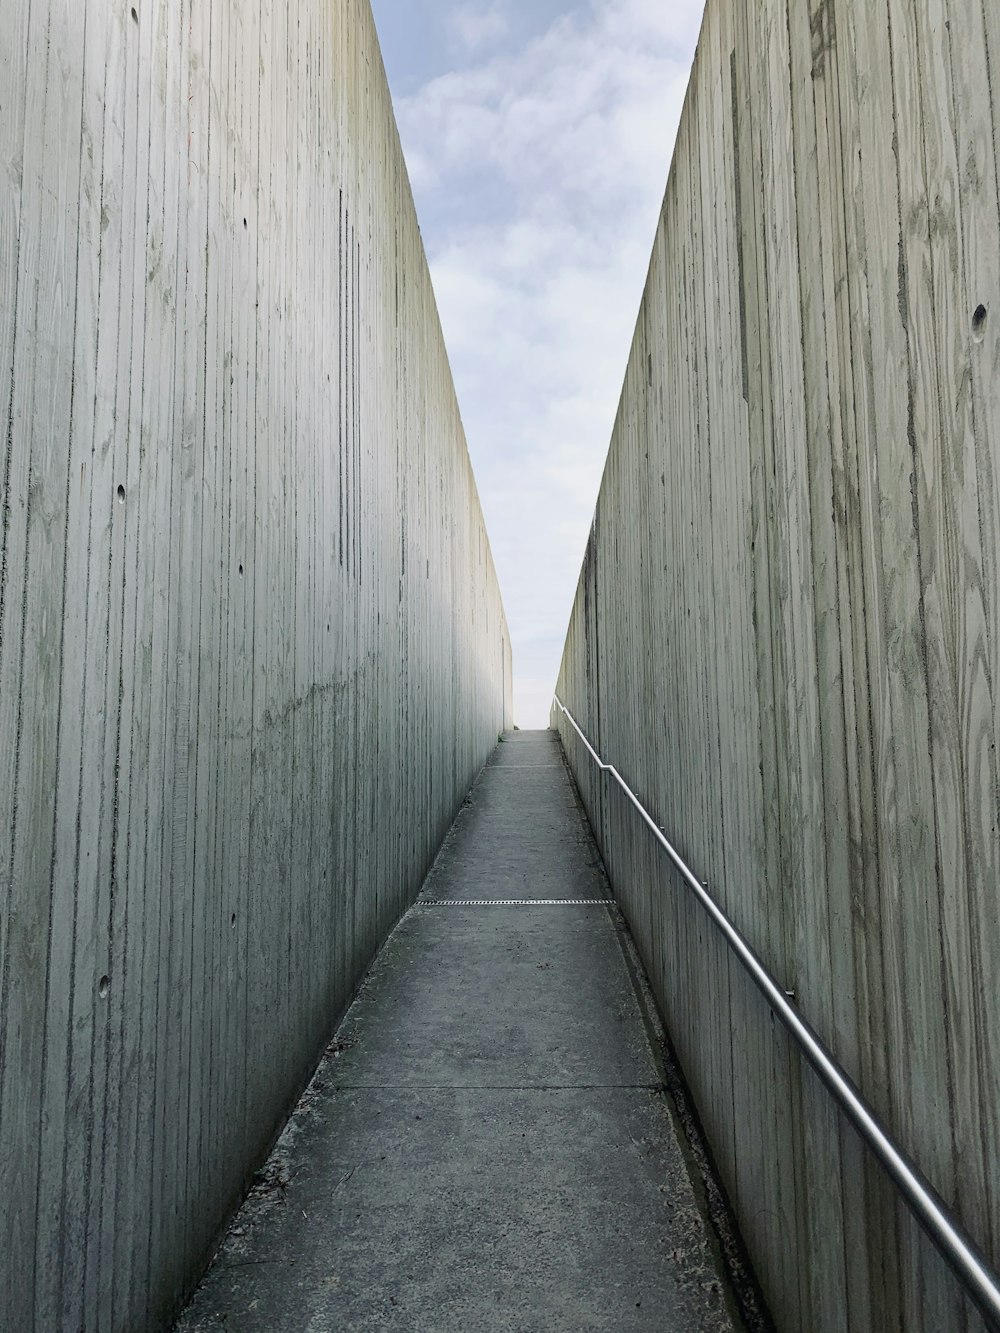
(538, 136)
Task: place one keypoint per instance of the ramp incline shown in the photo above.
(487, 1143)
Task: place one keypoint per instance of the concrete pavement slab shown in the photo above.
(498, 997)
(466, 1209)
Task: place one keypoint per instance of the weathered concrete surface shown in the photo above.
(252, 651)
(487, 1145)
(787, 629)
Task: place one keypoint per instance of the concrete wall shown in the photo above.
(787, 630)
(252, 652)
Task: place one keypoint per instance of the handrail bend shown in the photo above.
(966, 1261)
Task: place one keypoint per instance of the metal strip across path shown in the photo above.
(487, 1143)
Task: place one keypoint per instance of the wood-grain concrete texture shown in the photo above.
(252, 651)
(787, 628)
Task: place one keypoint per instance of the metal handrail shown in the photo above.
(960, 1251)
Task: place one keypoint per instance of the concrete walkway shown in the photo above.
(486, 1144)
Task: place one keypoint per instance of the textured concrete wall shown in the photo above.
(252, 652)
(787, 631)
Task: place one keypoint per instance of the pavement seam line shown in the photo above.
(499, 1087)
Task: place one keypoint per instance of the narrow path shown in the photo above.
(487, 1144)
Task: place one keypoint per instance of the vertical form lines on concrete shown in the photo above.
(213, 770)
(814, 367)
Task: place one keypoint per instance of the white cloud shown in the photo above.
(538, 173)
(476, 25)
